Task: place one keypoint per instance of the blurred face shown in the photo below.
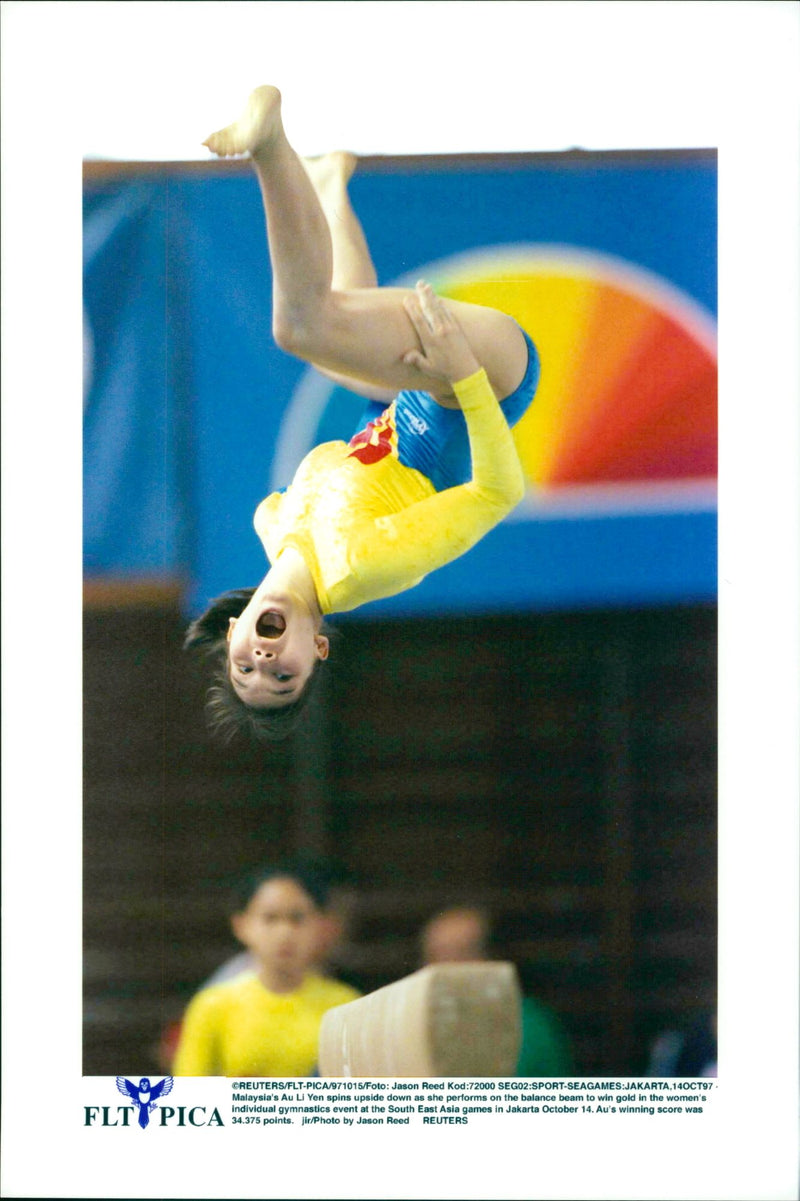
(456, 937)
(273, 647)
(280, 928)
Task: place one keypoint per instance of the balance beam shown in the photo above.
(449, 1019)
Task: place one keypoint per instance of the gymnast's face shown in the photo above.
(273, 647)
(280, 926)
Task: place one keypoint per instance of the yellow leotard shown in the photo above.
(240, 1028)
(370, 529)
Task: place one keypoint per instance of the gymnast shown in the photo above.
(431, 470)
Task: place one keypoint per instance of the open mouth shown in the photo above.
(270, 624)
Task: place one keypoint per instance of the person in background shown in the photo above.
(463, 935)
(686, 1052)
(333, 926)
(266, 1020)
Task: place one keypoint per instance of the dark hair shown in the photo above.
(226, 713)
(310, 876)
(206, 630)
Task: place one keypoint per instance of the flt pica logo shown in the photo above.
(144, 1098)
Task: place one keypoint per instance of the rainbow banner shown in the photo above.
(628, 390)
(608, 262)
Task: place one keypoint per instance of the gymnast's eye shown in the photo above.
(245, 669)
(283, 677)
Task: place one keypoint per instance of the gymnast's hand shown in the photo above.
(446, 354)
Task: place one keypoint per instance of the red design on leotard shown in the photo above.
(374, 442)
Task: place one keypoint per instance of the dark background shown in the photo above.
(559, 768)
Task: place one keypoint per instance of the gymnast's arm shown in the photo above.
(398, 549)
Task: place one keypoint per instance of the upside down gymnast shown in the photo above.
(431, 469)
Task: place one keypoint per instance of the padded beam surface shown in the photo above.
(453, 1019)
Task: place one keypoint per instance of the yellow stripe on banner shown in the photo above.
(557, 311)
(620, 325)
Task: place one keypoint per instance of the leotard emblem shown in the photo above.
(377, 440)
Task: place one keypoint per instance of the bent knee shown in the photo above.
(303, 329)
(291, 334)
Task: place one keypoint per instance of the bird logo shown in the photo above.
(145, 1095)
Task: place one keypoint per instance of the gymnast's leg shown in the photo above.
(352, 265)
(352, 262)
(362, 332)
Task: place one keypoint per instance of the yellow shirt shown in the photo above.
(240, 1028)
(369, 530)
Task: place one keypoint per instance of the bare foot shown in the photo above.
(255, 128)
(330, 173)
